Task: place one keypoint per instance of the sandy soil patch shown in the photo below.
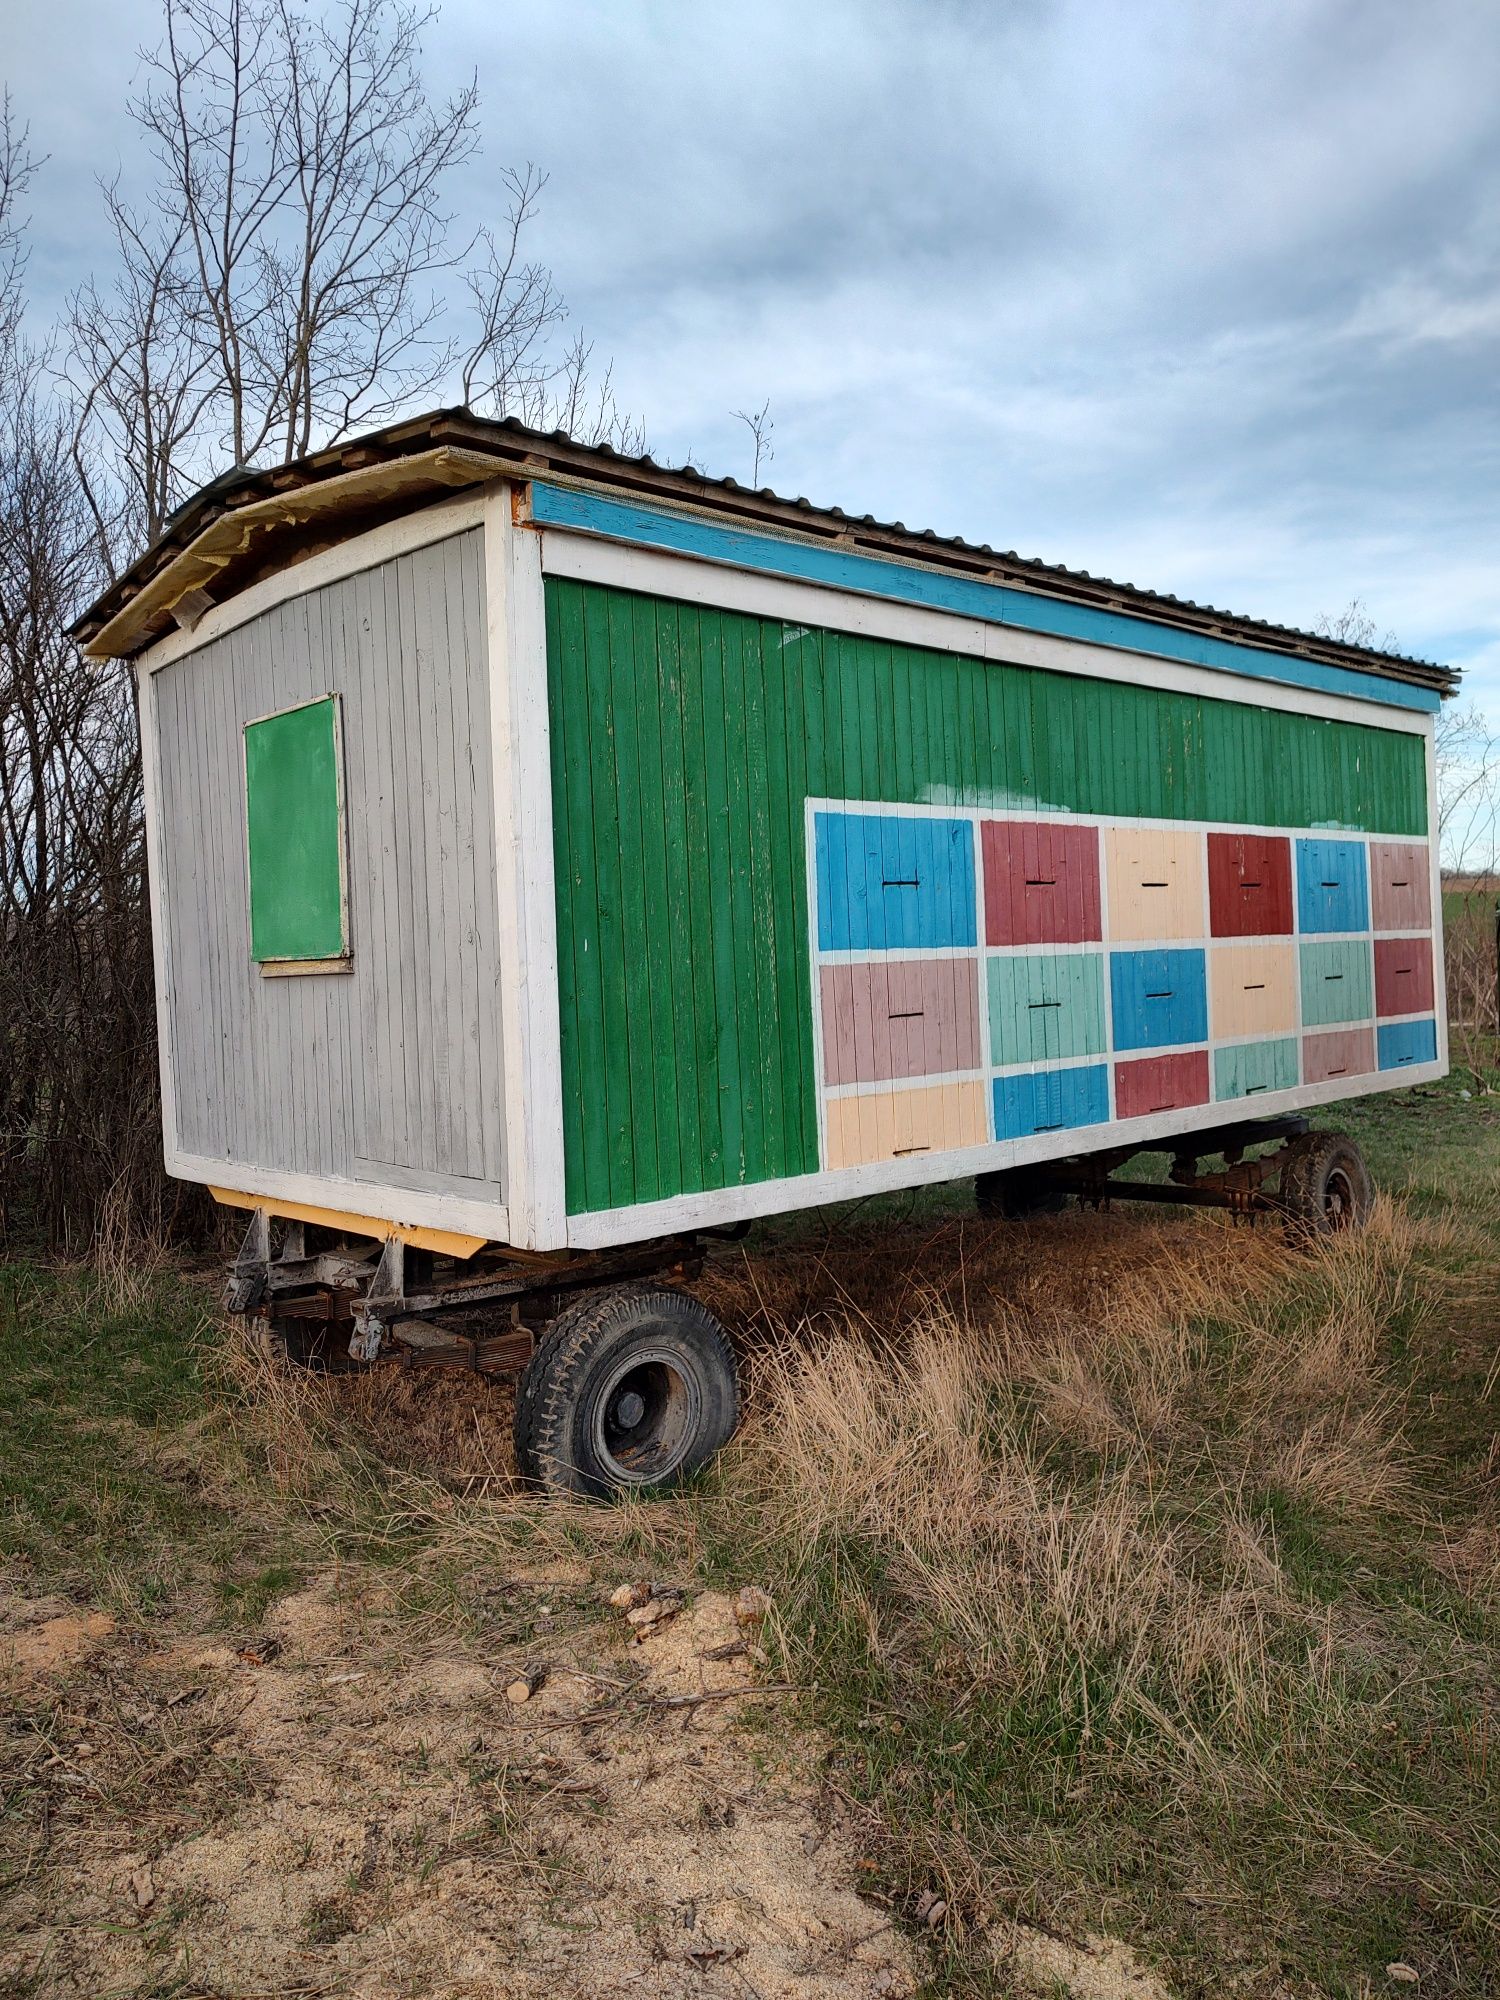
(43, 1636)
(345, 1818)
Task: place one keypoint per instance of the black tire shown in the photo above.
(1016, 1193)
(313, 1344)
(1325, 1186)
(628, 1388)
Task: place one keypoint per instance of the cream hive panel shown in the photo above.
(1155, 883)
(892, 1124)
(1252, 990)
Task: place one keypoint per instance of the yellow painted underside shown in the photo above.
(446, 1242)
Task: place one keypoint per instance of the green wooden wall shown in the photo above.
(685, 742)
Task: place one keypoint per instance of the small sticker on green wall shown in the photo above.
(294, 812)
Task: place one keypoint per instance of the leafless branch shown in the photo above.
(760, 424)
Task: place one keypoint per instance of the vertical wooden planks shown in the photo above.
(707, 1027)
(388, 1073)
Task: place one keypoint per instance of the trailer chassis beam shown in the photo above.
(1239, 1187)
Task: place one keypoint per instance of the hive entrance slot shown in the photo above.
(1259, 987)
(1252, 885)
(1034, 1004)
(902, 1151)
(901, 883)
(912, 1014)
(1154, 885)
(1041, 881)
(1160, 996)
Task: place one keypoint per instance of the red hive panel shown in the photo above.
(1041, 882)
(1403, 976)
(1249, 885)
(1161, 1083)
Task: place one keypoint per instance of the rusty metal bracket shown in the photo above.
(249, 1274)
(387, 1294)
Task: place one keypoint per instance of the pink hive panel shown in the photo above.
(1400, 886)
(1342, 1052)
(1041, 882)
(904, 1017)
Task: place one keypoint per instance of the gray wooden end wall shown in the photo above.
(391, 1073)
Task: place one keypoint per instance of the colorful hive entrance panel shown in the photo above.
(981, 977)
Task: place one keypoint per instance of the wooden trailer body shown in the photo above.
(550, 851)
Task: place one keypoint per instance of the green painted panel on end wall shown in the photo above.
(295, 839)
(1338, 982)
(1247, 1068)
(685, 744)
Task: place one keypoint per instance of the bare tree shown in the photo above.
(1355, 627)
(78, 1113)
(289, 281)
(515, 307)
(18, 166)
(143, 382)
(1467, 759)
(760, 424)
(1466, 769)
(289, 277)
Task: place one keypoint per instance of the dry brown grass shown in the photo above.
(1064, 1525)
(1034, 1503)
(1009, 1416)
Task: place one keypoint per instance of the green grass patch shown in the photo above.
(120, 1480)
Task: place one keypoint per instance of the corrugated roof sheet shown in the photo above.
(515, 447)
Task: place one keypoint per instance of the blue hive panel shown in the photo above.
(1402, 1043)
(1159, 999)
(894, 882)
(1050, 1100)
(1333, 886)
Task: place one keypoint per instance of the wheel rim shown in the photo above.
(646, 1416)
(1338, 1199)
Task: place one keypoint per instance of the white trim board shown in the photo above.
(1035, 812)
(699, 580)
(601, 1228)
(375, 546)
(388, 1204)
(160, 954)
(522, 776)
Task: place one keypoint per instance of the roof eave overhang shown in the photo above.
(236, 534)
(411, 463)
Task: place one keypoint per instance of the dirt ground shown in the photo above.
(328, 1810)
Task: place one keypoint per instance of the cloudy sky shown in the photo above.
(1204, 296)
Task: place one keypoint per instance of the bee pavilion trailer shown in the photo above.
(556, 859)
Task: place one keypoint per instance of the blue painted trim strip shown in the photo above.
(996, 604)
